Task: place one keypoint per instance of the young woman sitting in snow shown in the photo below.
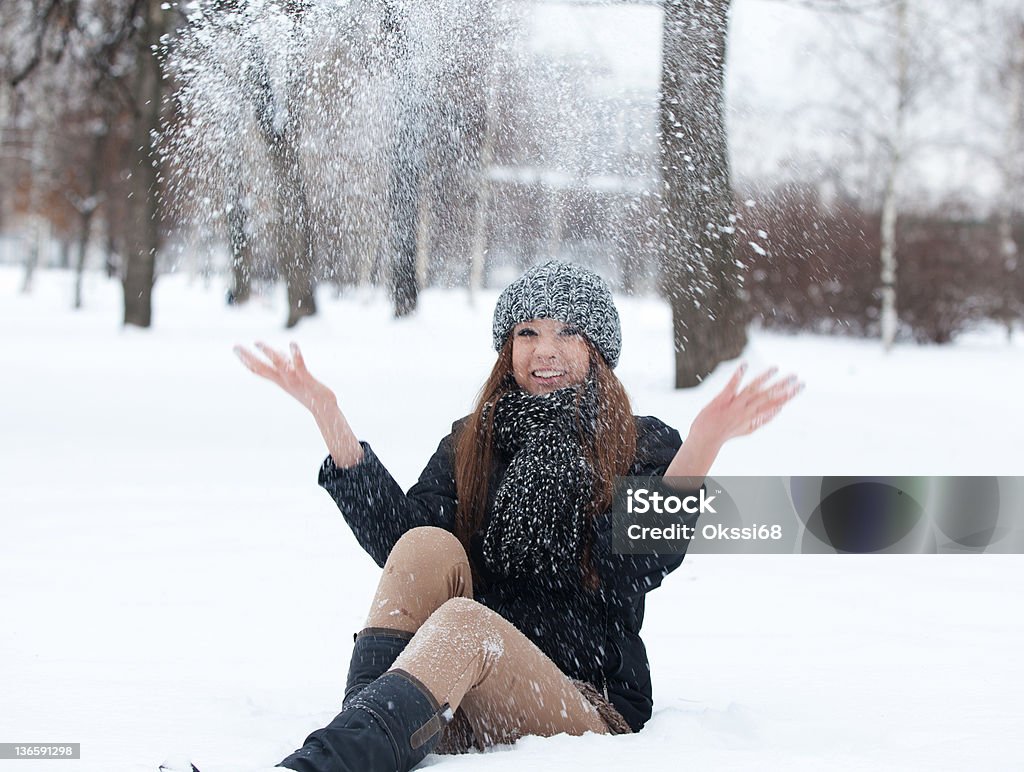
(502, 610)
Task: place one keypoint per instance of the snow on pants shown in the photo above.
(468, 655)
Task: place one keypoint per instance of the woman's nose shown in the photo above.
(547, 348)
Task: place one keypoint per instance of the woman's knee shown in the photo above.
(427, 542)
(459, 632)
(465, 616)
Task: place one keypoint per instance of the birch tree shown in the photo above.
(891, 61)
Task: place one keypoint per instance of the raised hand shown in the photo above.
(288, 372)
(732, 413)
(735, 411)
(292, 375)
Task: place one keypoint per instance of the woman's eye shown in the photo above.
(526, 331)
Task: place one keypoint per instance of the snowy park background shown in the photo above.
(176, 583)
(173, 581)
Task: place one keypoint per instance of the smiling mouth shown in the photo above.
(547, 375)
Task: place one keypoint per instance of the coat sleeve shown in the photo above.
(657, 444)
(378, 511)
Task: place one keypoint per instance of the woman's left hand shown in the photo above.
(735, 412)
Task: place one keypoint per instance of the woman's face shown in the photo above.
(548, 355)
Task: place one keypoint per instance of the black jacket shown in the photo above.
(592, 636)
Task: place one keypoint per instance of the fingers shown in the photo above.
(780, 392)
(254, 363)
(770, 401)
(728, 392)
(762, 418)
(297, 360)
(734, 382)
(276, 359)
(776, 396)
(751, 390)
(280, 367)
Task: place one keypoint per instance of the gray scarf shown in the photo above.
(537, 523)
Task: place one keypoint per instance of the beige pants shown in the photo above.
(468, 655)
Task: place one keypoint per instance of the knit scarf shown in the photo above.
(538, 518)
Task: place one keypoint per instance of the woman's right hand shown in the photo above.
(290, 373)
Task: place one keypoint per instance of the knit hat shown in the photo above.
(567, 292)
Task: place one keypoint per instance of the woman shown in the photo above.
(502, 610)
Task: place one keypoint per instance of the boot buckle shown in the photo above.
(434, 724)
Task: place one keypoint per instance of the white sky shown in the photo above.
(766, 41)
(778, 59)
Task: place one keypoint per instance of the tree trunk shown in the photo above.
(280, 130)
(144, 234)
(295, 241)
(1010, 304)
(423, 245)
(112, 262)
(32, 257)
(698, 273)
(889, 318)
(86, 210)
(628, 241)
(404, 190)
(238, 241)
(481, 205)
(35, 169)
(85, 223)
(408, 151)
(888, 258)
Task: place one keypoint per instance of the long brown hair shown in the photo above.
(609, 449)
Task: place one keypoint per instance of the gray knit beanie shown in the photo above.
(567, 292)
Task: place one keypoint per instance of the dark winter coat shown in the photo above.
(591, 636)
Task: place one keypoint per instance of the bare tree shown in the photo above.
(112, 45)
(237, 209)
(893, 171)
(150, 21)
(483, 183)
(86, 205)
(281, 131)
(408, 158)
(698, 272)
(891, 60)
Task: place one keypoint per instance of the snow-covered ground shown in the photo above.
(173, 581)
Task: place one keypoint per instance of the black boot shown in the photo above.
(389, 727)
(375, 651)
